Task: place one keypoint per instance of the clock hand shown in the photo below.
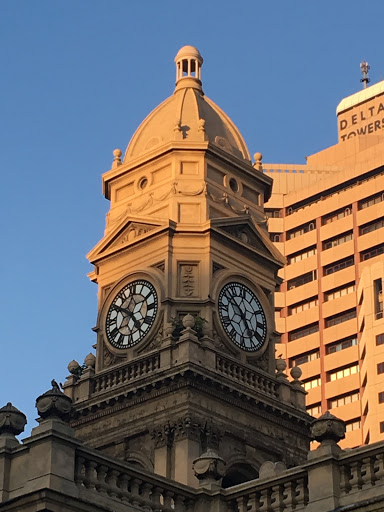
(129, 315)
(242, 316)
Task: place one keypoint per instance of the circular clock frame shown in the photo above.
(131, 314)
(242, 316)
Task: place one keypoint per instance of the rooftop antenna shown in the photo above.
(365, 67)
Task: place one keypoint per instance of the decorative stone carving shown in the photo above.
(328, 428)
(53, 404)
(160, 266)
(281, 366)
(188, 279)
(258, 158)
(12, 421)
(90, 360)
(209, 468)
(117, 158)
(111, 359)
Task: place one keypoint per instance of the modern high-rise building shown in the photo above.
(327, 218)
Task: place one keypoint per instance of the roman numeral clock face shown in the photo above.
(242, 316)
(131, 314)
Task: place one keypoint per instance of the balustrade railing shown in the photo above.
(361, 469)
(126, 373)
(103, 477)
(246, 376)
(288, 493)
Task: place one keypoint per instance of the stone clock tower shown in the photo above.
(186, 273)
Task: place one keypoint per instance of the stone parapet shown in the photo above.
(51, 466)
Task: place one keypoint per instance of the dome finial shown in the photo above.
(188, 68)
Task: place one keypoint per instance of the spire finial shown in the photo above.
(188, 68)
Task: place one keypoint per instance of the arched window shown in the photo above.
(239, 473)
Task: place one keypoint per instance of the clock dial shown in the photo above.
(131, 314)
(242, 316)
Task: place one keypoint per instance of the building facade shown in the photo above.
(327, 218)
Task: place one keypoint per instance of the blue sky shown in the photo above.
(78, 76)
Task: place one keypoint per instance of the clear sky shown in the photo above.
(78, 76)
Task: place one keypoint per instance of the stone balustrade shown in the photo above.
(288, 492)
(127, 373)
(95, 474)
(244, 375)
(331, 479)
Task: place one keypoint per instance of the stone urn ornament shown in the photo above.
(12, 421)
(54, 404)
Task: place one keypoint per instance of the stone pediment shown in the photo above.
(247, 231)
(128, 231)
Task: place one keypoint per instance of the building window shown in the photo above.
(338, 240)
(299, 256)
(272, 214)
(381, 397)
(275, 237)
(314, 409)
(353, 425)
(304, 358)
(303, 331)
(371, 226)
(340, 318)
(370, 201)
(340, 373)
(301, 280)
(380, 339)
(381, 427)
(378, 298)
(341, 345)
(300, 230)
(339, 265)
(339, 292)
(313, 383)
(372, 252)
(302, 306)
(338, 401)
(380, 368)
(336, 215)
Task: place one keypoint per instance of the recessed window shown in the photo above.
(339, 292)
(143, 183)
(340, 373)
(338, 240)
(339, 265)
(301, 280)
(353, 425)
(336, 215)
(340, 318)
(233, 185)
(381, 397)
(380, 339)
(341, 345)
(380, 368)
(381, 427)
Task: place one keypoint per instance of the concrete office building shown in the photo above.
(327, 218)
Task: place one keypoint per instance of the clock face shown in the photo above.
(242, 316)
(131, 314)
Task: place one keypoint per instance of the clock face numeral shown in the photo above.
(242, 316)
(131, 314)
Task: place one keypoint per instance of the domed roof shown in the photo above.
(187, 116)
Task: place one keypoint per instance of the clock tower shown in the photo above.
(186, 273)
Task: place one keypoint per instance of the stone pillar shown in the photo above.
(12, 423)
(52, 445)
(323, 471)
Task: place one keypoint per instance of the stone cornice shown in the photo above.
(192, 377)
